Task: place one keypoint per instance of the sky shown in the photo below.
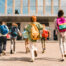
(32, 6)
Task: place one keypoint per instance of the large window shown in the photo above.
(25, 6)
(2, 7)
(56, 6)
(32, 6)
(17, 6)
(63, 6)
(9, 6)
(48, 7)
(40, 7)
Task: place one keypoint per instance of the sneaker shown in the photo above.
(4, 53)
(32, 60)
(43, 50)
(65, 55)
(35, 53)
(0, 54)
(62, 60)
(27, 50)
(11, 52)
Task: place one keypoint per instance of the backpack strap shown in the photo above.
(34, 26)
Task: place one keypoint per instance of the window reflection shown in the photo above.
(32, 6)
(48, 7)
(9, 6)
(40, 7)
(63, 6)
(56, 7)
(17, 6)
(25, 6)
(2, 6)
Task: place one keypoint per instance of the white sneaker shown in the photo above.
(32, 60)
(4, 52)
(0, 54)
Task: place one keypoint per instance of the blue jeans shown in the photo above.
(3, 43)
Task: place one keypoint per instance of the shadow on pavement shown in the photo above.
(26, 59)
(22, 52)
(48, 59)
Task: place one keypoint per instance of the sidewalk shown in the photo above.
(49, 58)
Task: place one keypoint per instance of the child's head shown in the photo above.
(3, 23)
(33, 18)
(60, 13)
(14, 24)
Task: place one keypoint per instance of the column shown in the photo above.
(28, 6)
(59, 4)
(21, 9)
(51, 26)
(44, 7)
(13, 6)
(36, 6)
(51, 7)
(5, 6)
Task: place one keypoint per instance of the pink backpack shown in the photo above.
(61, 24)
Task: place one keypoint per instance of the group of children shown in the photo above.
(14, 31)
(32, 33)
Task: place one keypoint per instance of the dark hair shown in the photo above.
(60, 13)
(0, 22)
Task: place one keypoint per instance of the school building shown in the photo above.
(20, 11)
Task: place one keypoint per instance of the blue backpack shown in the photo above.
(14, 31)
(3, 29)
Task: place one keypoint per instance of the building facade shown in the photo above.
(20, 11)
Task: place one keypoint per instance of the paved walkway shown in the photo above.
(49, 58)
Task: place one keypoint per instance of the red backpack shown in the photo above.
(45, 34)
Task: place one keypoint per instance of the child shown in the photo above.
(3, 39)
(44, 38)
(33, 33)
(13, 32)
(60, 25)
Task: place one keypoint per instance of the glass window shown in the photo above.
(2, 6)
(9, 6)
(17, 6)
(55, 8)
(63, 6)
(48, 7)
(40, 7)
(25, 6)
(32, 6)
(48, 10)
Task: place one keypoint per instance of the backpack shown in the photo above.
(61, 24)
(34, 32)
(4, 29)
(45, 34)
(14, 31)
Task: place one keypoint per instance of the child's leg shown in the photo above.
(65, 43)
(61, 47)
(14, 44)
(43, 45)
(11, 47)
(32, 52)
(0, 45)
(27, 45)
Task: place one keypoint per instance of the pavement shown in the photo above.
(51, 57)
